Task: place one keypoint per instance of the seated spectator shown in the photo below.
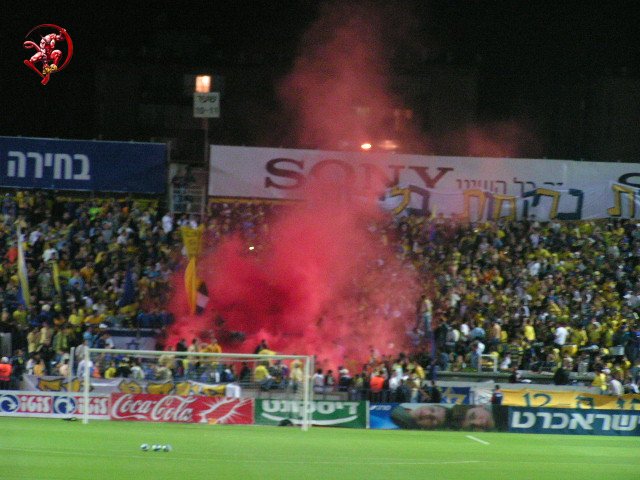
(262, 376)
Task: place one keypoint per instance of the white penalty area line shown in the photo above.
(471, 437)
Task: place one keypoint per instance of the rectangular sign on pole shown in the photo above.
(206, 105)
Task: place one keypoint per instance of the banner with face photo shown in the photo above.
(431, 416)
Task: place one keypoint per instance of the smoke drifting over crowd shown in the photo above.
(325, 283)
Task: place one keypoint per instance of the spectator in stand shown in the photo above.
(18, 367)
(296, 376)
(329, 381)
(318, 381)
(262, 376)
(5, 373)
(614, 386)
(344, 380)
(561, 376)
(531, 279)
(377, 386)
(497, 396)
(433, 393)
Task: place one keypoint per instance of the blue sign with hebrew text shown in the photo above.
(574, 422)
(87, 165)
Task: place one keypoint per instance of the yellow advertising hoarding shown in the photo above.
(560, 399)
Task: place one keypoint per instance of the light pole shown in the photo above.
(206, 105)
(200, 99)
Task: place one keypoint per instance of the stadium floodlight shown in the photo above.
(189, 377)
(203, 83)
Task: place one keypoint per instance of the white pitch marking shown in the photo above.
(234, 459)
(471, 437)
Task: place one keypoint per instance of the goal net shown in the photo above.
(199, 387)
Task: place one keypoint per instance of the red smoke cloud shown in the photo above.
(324, 284)
(339, 89)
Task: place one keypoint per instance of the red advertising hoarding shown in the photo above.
(178, 409)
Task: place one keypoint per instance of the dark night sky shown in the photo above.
(517, 45)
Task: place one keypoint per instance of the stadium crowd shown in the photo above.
(550, 297)
(79, 253)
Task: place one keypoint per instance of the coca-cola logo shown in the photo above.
(155, 408)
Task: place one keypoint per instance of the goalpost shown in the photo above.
(189, 374)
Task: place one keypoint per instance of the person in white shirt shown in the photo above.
(50, 254)
(136, 371)
(34, 236)
(464, 331)
(83, 365)
(394, 381)
(167, 223)
(560, 335)
(318, 382)
(615, 386)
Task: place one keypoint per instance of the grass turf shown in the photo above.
(43, 449)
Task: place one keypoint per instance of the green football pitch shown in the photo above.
(39, 449)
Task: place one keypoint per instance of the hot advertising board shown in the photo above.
(180, 409)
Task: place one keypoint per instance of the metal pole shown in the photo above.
(72, 356)
(85, 413)
(206, 166)
(205, 127)
(307, 393)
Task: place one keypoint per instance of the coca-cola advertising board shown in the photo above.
(52, 405)
(146, 407)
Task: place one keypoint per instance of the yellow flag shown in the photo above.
(56, 276)
(192, 241)
(22, 271)
(191, 284)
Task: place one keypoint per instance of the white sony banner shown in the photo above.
(464, 187)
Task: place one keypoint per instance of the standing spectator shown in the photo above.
(85, 365)
(18, 364)
(615, 386)
(167, 223)
(344, 380)
(262, 376)
(560, 335)
(561, 376)
(318, 381)
(376, 385)
(434, 395)
(497, 396)
(5, 373)
(296, 376)
(329, 381)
